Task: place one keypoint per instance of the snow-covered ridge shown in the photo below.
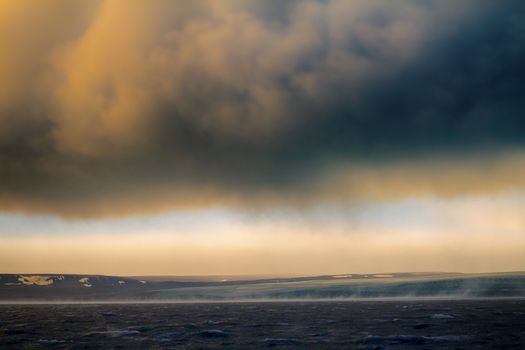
(68, 281)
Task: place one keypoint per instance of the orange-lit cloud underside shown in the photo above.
(112, 108)
(122, 109)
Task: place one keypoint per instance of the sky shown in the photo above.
(261, 136)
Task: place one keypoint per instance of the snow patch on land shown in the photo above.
(383, 276)
(121, 282)
(342, 276)
(36, 280)
(85, 282)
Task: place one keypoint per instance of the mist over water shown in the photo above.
(88, 288)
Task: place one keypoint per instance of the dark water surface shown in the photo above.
(471, 324)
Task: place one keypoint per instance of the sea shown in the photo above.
(370, 324)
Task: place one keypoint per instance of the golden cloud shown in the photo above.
(120, 106)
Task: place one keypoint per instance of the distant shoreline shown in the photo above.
(246, 301)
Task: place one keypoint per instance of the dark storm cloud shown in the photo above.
(126, 106)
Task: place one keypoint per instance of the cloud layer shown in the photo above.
(469, 235)
(113, 107)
